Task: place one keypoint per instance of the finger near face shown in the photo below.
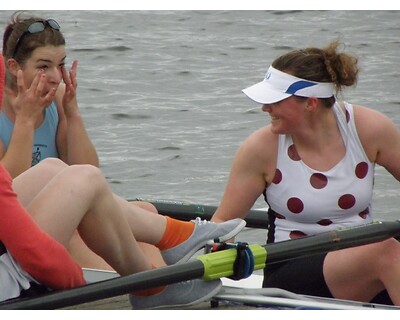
(65, 76)
(41, 86)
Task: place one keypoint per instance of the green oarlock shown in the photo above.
(220, 263)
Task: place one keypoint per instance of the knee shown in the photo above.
(146, 206)
(53, 164)
(86, 172)
(388, 254)
(86, 175)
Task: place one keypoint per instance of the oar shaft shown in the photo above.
(331, 241)
(212, 266)
(110, 288)
(220, 264)
(189, 211)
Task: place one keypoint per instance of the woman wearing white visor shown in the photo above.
(314, 164)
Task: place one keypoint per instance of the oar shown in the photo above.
(189, 211)
(212, 266)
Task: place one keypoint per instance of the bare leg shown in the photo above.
(88, 259)
(79, 197)
(151, 252)
(85, 257)
(361, 273)
(31, 182)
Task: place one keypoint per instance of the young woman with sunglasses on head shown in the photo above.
(39, 115)
(314, 165)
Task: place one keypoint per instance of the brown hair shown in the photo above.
(321, 65)
(29, 42)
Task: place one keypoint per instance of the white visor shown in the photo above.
(278, 85)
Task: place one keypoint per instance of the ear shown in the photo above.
(13, 66)
(312, 103)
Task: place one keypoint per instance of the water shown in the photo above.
(160, 91)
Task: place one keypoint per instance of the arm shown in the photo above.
(380, 139)
(41, 256)
(18, 157)
(74, 144)
(27, 106)
(253, 167)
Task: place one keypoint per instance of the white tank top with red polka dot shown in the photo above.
(307, 202)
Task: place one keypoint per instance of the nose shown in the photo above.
(54, 75)
(266, 107)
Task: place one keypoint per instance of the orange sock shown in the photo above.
(149, 292)
(176, 232)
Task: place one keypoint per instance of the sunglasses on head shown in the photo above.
(36, 27)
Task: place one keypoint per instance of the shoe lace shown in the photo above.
(199, 221)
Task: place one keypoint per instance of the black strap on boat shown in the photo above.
(243, 266)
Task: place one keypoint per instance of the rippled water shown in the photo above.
(160, 91)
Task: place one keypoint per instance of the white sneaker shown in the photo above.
(203, 232)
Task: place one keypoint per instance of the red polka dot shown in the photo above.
(362, 170)
(295, 234)
(292, 153)
(346, 201)
(295, 205)
(277, 177)
(364, 214)
(279, 216)
(318, 180)
(324, 222)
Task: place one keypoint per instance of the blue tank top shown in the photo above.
(44, 143)
(303, 201)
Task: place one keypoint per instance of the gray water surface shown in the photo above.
(160, 91)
